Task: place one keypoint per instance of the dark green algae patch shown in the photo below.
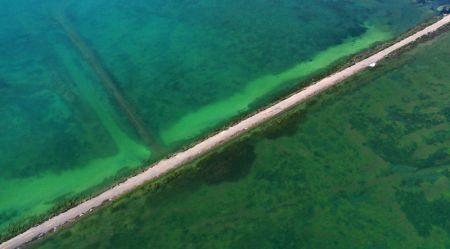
(362, 166)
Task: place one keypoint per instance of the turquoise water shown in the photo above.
(227, 53)
(92, 90)
(365, 165)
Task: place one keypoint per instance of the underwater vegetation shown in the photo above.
(364, 165)
(93, 91)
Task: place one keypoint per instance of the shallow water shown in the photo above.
(365, 165)
(82, 81)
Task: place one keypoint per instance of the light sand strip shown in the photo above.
(212, 142)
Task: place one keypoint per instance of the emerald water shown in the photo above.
(365, 165)
(90, 91)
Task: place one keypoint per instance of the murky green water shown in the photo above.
(366, 165)
(89, 90)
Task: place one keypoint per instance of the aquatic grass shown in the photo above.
(208, 116)
(43, 188)
(321, 185)
(66, 138)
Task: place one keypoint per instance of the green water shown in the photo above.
(50, 185)
(183, 68)
(365, 165)
(189, 66)
(197, 121)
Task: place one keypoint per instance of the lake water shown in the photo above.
(365, 165)
(90, 91)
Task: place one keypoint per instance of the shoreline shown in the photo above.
(215, 140)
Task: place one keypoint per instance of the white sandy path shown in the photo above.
(213, 141)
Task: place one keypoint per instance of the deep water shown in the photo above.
(93, 89)
(365, 165)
